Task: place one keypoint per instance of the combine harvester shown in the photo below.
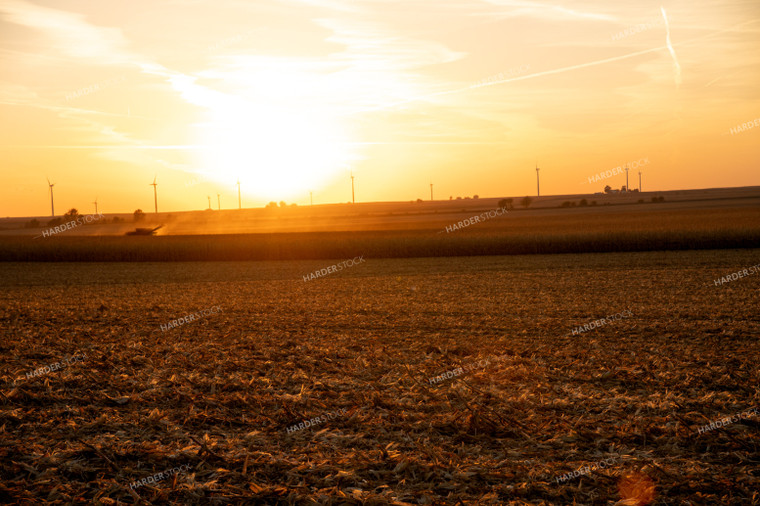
(144, 231)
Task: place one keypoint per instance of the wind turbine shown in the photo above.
(639, 181)
(52, 209)
(209, 201)
(431, 191)
(353, 199)
(538, 187)
(311, 198)
(96, 205)
(240, 204)
(627, 188)
(155, 194)
(218, 202)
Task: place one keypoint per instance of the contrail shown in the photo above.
(503, 81)
(670, 47)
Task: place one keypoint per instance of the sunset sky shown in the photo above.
(290, 96)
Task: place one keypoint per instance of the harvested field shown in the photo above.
(516, 400)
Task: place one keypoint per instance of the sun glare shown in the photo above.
(277, 150)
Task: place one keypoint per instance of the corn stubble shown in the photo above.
(218, 394)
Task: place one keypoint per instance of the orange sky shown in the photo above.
(291, 95)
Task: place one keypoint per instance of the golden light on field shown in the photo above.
(287, 95)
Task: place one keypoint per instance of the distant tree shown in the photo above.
(583, 203)
(459, 198)
(608, 189)
(467, 198)
(283, 204)
(593, 202)
(272, 204)
(507, 203)
(641, 201)
(293, 205)
(654, 199)
(115, 219)
(138, 215)
(526, 201)
(661, 199)
(451, 197)
(476, 196)
(71, 213)
(54, 222)
(565, 204)
(32, 223)
(419, 201)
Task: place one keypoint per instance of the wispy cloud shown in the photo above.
(71, 33)
(519, 8)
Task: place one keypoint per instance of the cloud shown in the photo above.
(371, 45)
(518, 8)
(71, 33)
(335, 5)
